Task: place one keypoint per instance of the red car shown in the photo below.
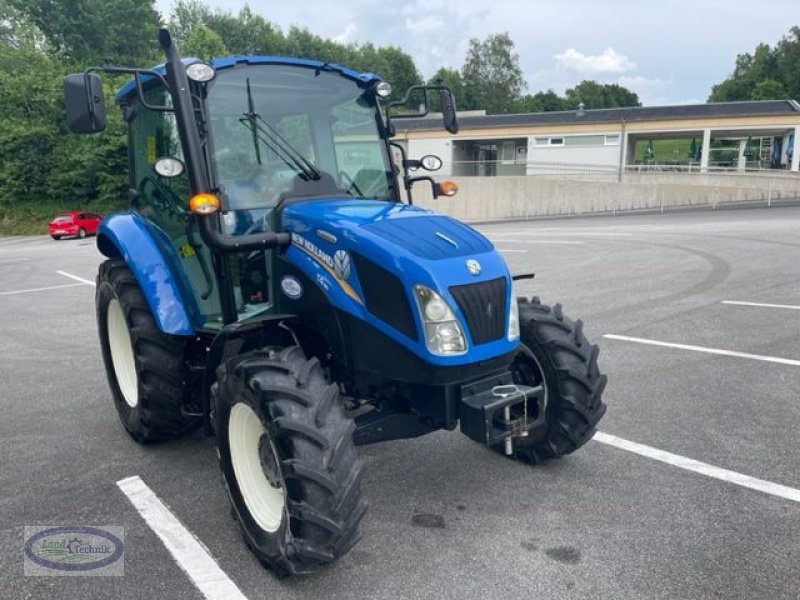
(74, 222)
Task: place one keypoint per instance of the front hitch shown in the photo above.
(495, 411)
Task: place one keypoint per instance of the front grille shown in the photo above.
(484, 307)
(385, 296)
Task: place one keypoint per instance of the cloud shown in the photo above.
(426, 24)
(348, 35)
(610, 61)
(652, 91)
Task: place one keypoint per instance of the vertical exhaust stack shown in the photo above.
(184, 114)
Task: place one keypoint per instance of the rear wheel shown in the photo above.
(144, 367)
(288, 459)
(81, 233)
(554, 353)
(56, 237)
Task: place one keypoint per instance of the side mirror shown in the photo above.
(448, 110)
(429, 162)
(85, 104)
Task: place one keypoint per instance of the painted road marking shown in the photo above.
(504, 250)
(689, 464)
(760, 304)
(772, 359)
(561, 232)
(562, 242)
(41, 289)
(76, 278)
(190, 554)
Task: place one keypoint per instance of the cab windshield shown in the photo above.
(283, 132)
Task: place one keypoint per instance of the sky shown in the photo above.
(667, 51)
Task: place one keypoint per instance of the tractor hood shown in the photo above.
(367, 256)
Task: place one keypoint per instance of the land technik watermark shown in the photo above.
(74, 550)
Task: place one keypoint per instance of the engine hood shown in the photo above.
(351, 247)
(418, 231)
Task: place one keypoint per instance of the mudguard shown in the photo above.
(150, 255)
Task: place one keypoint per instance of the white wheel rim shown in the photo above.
(119, 341)
(264, 502)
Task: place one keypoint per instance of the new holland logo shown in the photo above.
(341, 264)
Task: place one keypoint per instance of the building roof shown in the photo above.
(613, 115)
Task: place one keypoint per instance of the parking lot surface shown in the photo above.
(691, 491)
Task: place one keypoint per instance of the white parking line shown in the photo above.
(76, 278)
(562, 233)
(760, 304)
(689, 464)
(41, 289)
(562, 242)
(772, 359)
(190, 554)
(506, 250)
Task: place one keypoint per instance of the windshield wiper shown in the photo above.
(266, 134)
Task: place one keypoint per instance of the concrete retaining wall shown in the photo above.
(508, 198)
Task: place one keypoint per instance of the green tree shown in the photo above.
(87, 31)
(542, 102)
(204, 43)
(246, 32)
(492, 74)
(600, 95)
(769, 89)
(787, 57)
(767, 73)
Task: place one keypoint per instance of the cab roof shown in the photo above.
(127, 91)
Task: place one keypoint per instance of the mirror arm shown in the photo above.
(137, 74)
(406, 178)
(434, 186)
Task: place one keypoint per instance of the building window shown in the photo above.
(612, 140)
(584, 140)
(556, 141)
(541, 141)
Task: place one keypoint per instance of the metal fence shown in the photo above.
(752, 176)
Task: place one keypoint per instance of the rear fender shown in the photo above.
(150, 255)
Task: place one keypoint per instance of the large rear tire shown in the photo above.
(555, 353)
(145, 367)
(288, 459)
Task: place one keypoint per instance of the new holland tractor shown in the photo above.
(273, 283)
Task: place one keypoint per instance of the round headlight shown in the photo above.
(168, 166)
(435, 310)
(200, 72)
(383, 89)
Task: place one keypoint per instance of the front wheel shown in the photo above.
(288, 459)
(81, 233)
(145, 367)
(554, 353)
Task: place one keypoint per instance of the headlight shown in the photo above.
(443, 334)
(513, 317)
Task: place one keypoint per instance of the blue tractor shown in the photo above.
(273, 283)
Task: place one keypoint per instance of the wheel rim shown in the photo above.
(253, 453)
(527, 370)
(119, 341)
(82, 233)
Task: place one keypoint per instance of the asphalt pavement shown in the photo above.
(708, 389)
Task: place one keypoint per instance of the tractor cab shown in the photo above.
(270, 131)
